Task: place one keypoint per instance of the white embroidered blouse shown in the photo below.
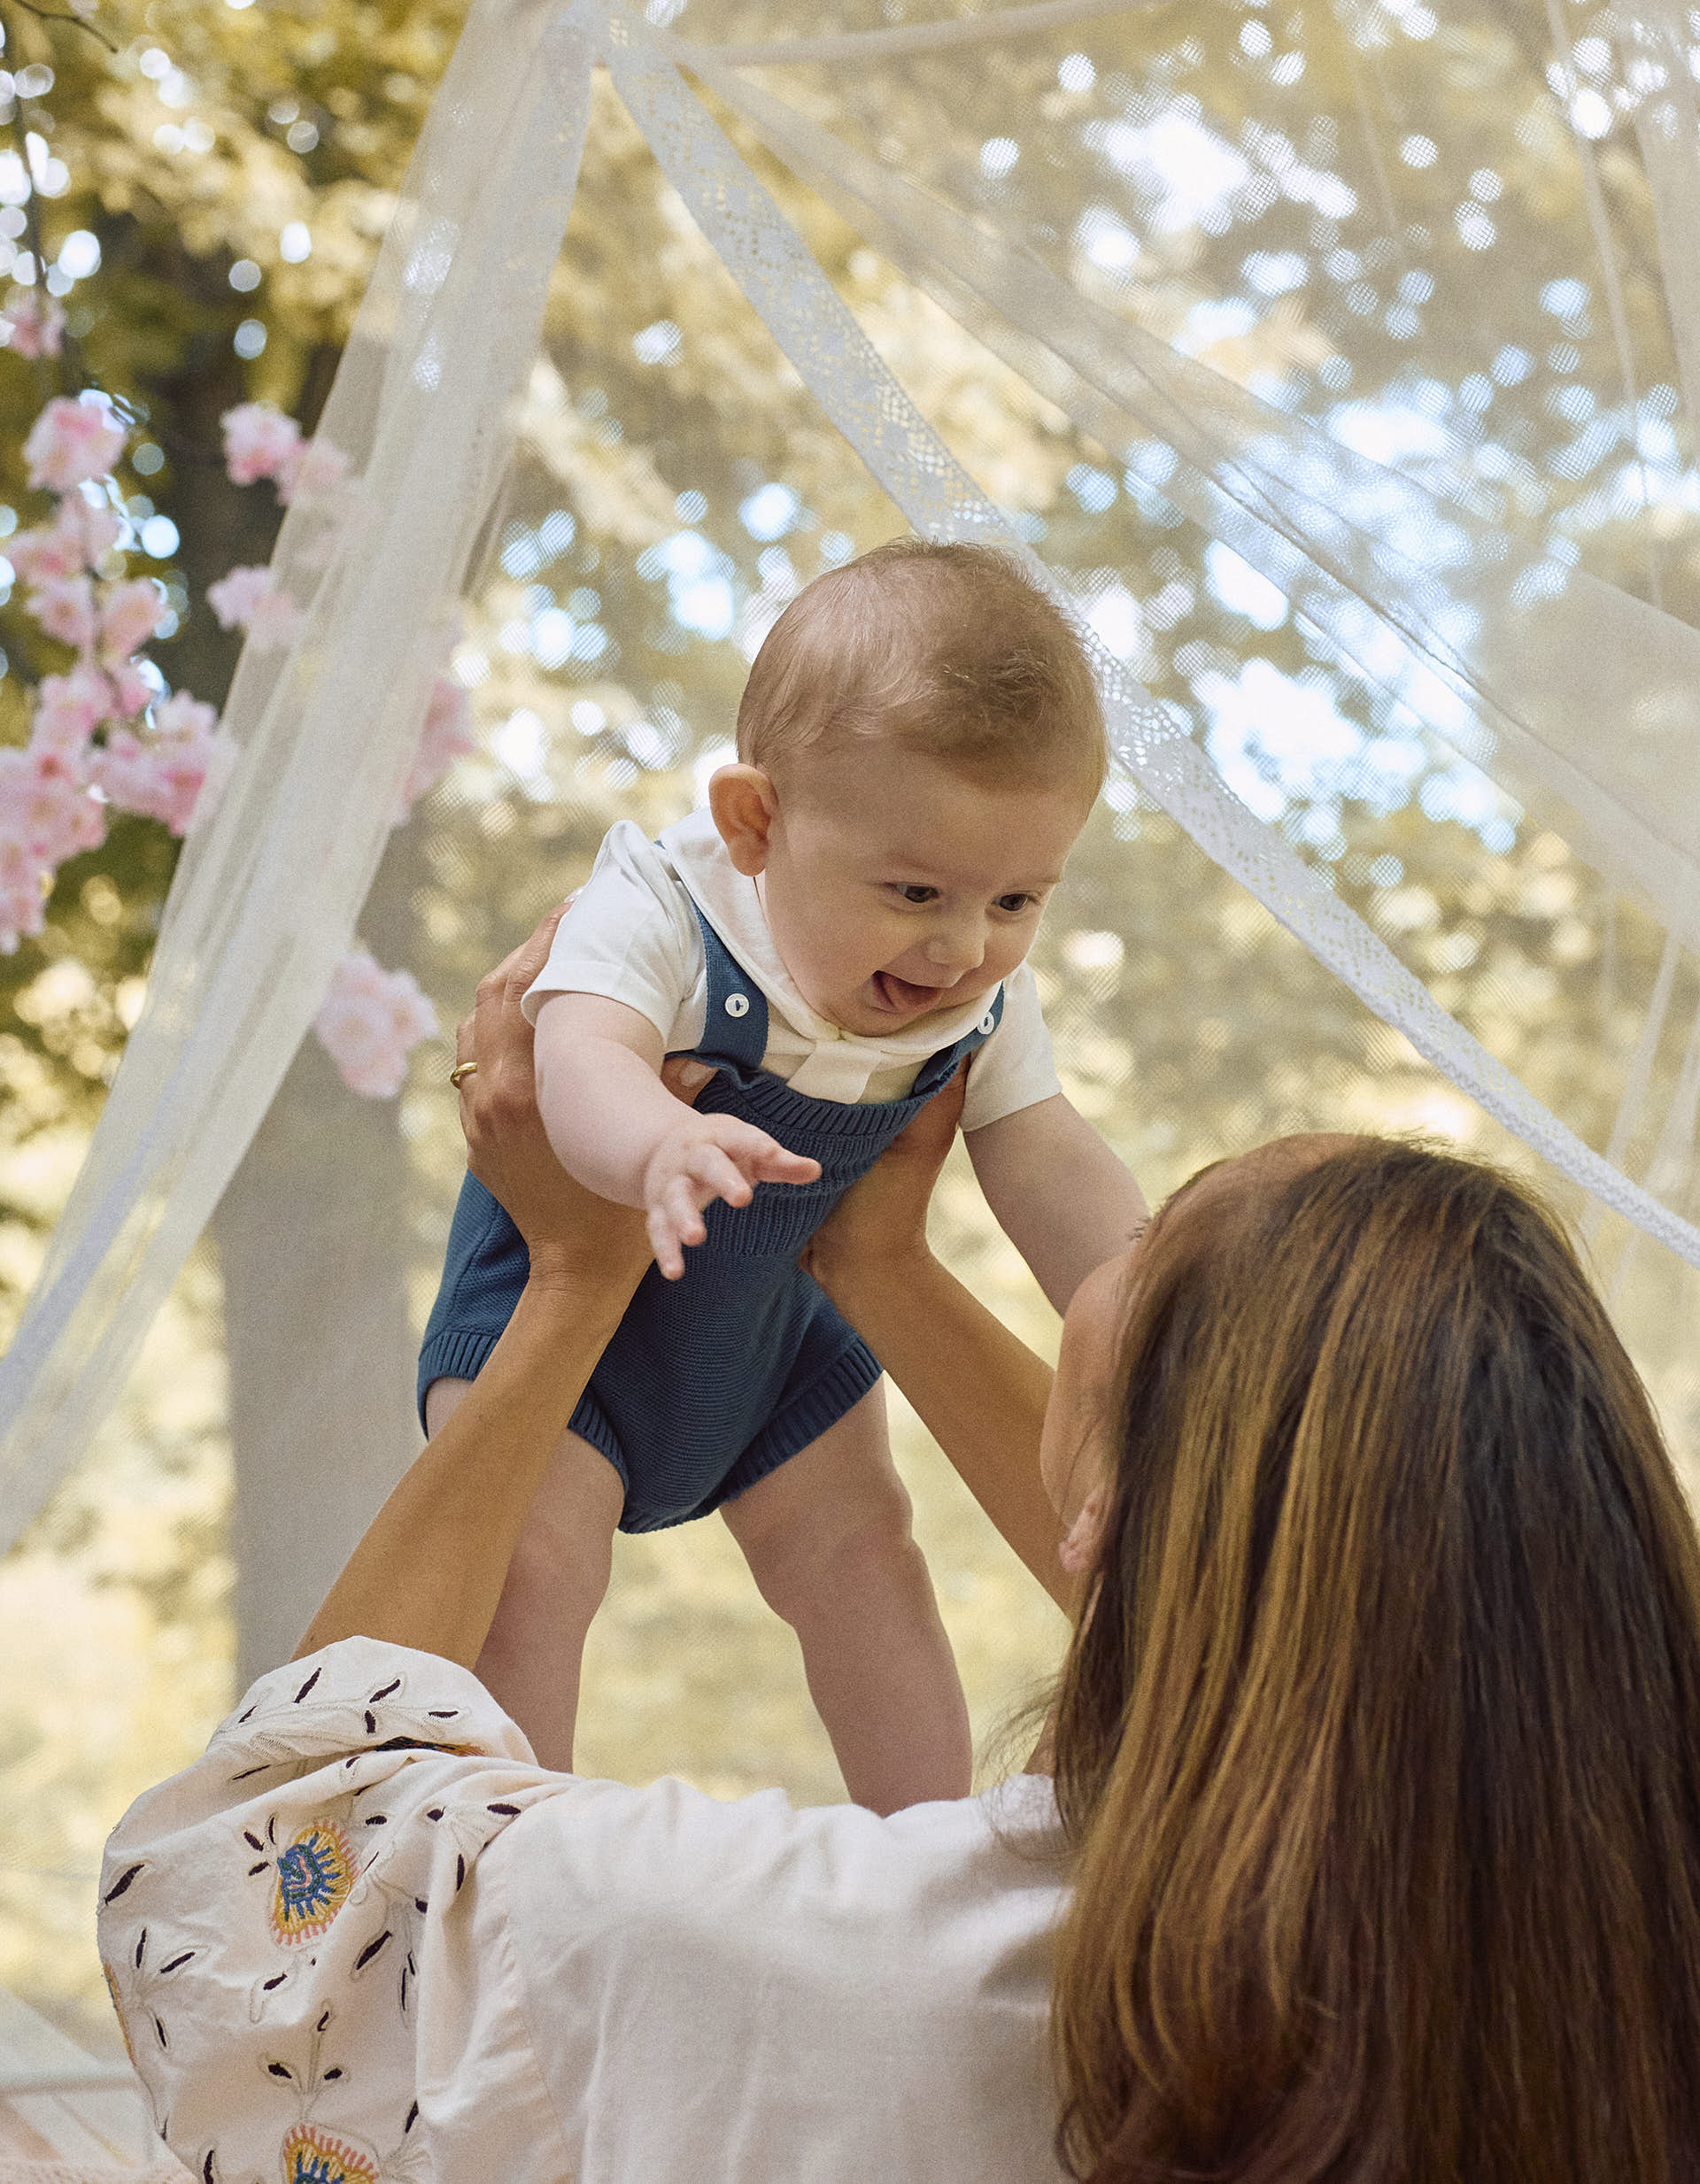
(366, 1940)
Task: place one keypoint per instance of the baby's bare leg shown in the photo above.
(555, 1583)
(827, 1539)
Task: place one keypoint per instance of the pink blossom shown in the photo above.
(66, 610)
(370, 1022)
(24, 882)
(45, 803)
(276, 622)
(315, 466)
(79, 533)
(68, 710)
(161, 779)
(129, 615)
(42, 555)
(34, 323)
(133, 689)
(163, 775)
(445, 736)
(259, 441)
(182, 716)
(235, 596)
(249, 599)
(71, 441)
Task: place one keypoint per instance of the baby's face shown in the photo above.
(897, 888)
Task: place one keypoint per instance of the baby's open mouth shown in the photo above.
(902, 993)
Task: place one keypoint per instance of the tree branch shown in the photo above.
(77, 22)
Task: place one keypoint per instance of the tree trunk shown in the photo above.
(312, 1231)
(313, 1236)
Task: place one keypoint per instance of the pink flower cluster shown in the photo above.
(251, 599)
(71, 441)
(46, 816)
(105, 733)
(161, 776)
(260, 441)
(32, 323)
(447, 735)
(371, 1021)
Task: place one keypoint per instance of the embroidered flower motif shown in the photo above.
(314, 2156)
(315, 1875)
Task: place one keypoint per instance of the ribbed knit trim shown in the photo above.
(452, 1354)
(822, 1403)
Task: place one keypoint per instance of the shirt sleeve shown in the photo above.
(631, 936)
(1014, 1069)
(287, 1932)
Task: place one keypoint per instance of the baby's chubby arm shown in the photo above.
(1060, 1194)
(616, 1127)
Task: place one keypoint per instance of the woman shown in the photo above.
(1377, 1756)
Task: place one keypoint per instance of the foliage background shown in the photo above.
(606, 650)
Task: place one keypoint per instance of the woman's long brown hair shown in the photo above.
(1380, 1738)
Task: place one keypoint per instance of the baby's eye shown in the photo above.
(917, 892)
(1012, 906)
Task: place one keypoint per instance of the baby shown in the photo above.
(919, 744)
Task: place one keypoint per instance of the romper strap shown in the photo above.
(939, 1068)
(735, 1031)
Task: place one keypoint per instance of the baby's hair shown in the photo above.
(950, 648)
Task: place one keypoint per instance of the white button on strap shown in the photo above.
(988, 1022)
(737, 1004)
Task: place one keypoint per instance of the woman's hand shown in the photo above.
(430, 1568)
(880, 1224)
(568, 1229)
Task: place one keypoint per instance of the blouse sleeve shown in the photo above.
(308, 1981)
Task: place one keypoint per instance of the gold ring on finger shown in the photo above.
(461, 1072)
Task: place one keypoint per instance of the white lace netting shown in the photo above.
(1578, 696)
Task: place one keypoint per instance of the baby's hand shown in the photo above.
(710, 1156)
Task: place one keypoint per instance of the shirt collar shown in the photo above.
(732, 905)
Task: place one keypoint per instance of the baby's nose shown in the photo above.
(957, 948)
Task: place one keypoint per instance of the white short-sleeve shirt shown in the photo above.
(366, 1936)
(632, 936)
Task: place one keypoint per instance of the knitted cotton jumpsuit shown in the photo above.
(713, 1381)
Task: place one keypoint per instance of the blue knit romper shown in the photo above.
(711, 1382)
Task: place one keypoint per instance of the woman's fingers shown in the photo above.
(501, 988)
(531, 954)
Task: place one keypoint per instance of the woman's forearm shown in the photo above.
(979, 1391)
(429, 1569)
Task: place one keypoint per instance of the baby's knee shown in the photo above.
(856, 1543)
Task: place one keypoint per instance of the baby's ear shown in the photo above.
(743, 804)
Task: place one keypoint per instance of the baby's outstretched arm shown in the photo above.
(1059, 1193)
(614, 1125)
